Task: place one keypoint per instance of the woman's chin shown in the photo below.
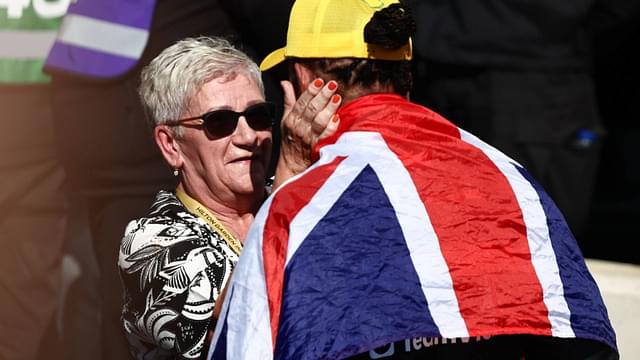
(249, 186)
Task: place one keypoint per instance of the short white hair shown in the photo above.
(169, 83)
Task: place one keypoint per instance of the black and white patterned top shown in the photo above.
(173, 267)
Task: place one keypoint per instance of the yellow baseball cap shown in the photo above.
(333, 29)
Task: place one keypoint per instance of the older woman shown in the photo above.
(213, 126)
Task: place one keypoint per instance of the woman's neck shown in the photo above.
(235, 222)
(236, 213)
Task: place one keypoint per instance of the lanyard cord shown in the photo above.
(202, 212)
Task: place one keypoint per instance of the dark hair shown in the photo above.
(389, 28)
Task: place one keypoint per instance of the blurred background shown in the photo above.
(552, 84)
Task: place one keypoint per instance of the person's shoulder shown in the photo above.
(166, 213)
(157, 228)
(166, 225)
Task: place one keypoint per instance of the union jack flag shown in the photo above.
(405, 226)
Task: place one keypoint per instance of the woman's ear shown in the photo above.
(169, 146)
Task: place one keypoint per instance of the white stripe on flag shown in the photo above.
(25, 44)
(535, 219)
(104, 36)
(422, 242)
(321, 202)
(247, 309)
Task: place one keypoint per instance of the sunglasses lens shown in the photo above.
(260, 116)
(220, 123)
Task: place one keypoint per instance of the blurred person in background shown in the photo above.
(616, 206)
(518, 74)
(33, 200)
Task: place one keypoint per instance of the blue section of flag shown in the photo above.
(588, 312)
(333, 313)
(220, 350)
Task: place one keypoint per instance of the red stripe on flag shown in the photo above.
(289, 201)
(474, 213)
(481, 232)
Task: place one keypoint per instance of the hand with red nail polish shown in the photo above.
(305, 121)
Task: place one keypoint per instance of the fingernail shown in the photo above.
(335, 98)
(318, 83)
(335, 118)
(332, 85)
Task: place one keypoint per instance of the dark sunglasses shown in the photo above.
(223, 122)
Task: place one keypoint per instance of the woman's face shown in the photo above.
(232, 165)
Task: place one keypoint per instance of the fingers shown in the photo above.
(307, 118)
(327, 119)
(302, 102)
(310, 117)
(321, 108)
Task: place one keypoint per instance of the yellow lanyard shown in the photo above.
(201, 211)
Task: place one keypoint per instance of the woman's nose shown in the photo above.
(244, 134)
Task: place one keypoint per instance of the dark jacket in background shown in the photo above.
(517, 74)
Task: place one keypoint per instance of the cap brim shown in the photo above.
(273, 59)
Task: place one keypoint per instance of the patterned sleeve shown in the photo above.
(172, 276)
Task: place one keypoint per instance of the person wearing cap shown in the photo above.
(408, 237)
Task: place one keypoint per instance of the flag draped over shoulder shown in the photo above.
(406, 226)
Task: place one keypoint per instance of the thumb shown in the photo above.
(289, 96)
